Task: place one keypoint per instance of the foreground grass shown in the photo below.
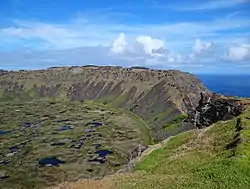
(195, 159)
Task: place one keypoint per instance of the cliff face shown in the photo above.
(157, 96)
(213, 108)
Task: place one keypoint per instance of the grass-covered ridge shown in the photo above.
(199, 159)
(202, 158)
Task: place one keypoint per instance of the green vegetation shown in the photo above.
(172, 125)
(119, 100)
(162, 115)
(35, 132)
(197, 159)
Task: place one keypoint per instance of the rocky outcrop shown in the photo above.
(213, 108)
(238, 139)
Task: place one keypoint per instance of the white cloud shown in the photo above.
(200, 46)
(94, 42)
(238, 53)
(120, 45)
(152, 51)
(151, 46)
(93, 33)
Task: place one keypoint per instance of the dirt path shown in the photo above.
(148, 151)
(162, 144)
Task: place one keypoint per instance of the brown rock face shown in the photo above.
(158, 96)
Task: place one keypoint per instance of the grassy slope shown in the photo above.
(198, 159)
(195, 159)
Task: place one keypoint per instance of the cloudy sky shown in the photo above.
(199, 36)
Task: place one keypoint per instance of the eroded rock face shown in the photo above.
(214, 108)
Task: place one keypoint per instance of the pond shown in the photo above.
(4, 132)
(65, 128)
(95, 124)
(103, 153)
(27, 124)
(50, 161)
(82, 139)
(14, 149)
(4, 162)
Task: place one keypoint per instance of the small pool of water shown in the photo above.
(95, 124)
(4, 162)
(4, 177)
(14, 149)
(65, 128)
(50, 161)
(89, 136)
(90, 130)
(79, 145)
(103, 153)
(4, 132)
(27, 124)
(82, 139)
(58, 144)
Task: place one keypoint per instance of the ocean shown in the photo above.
(231, 85)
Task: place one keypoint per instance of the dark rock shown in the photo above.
(239, 126)
(214, 108)
(4, 177)
(234, 143)
(97, 146)
(137, 151)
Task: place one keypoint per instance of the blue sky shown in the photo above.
(211, 36)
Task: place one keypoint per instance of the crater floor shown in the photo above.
(44, 143)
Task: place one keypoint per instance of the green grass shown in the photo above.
(197, 159)
(172, 125)
(119, 100)
(144, 129)
(162, 115)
